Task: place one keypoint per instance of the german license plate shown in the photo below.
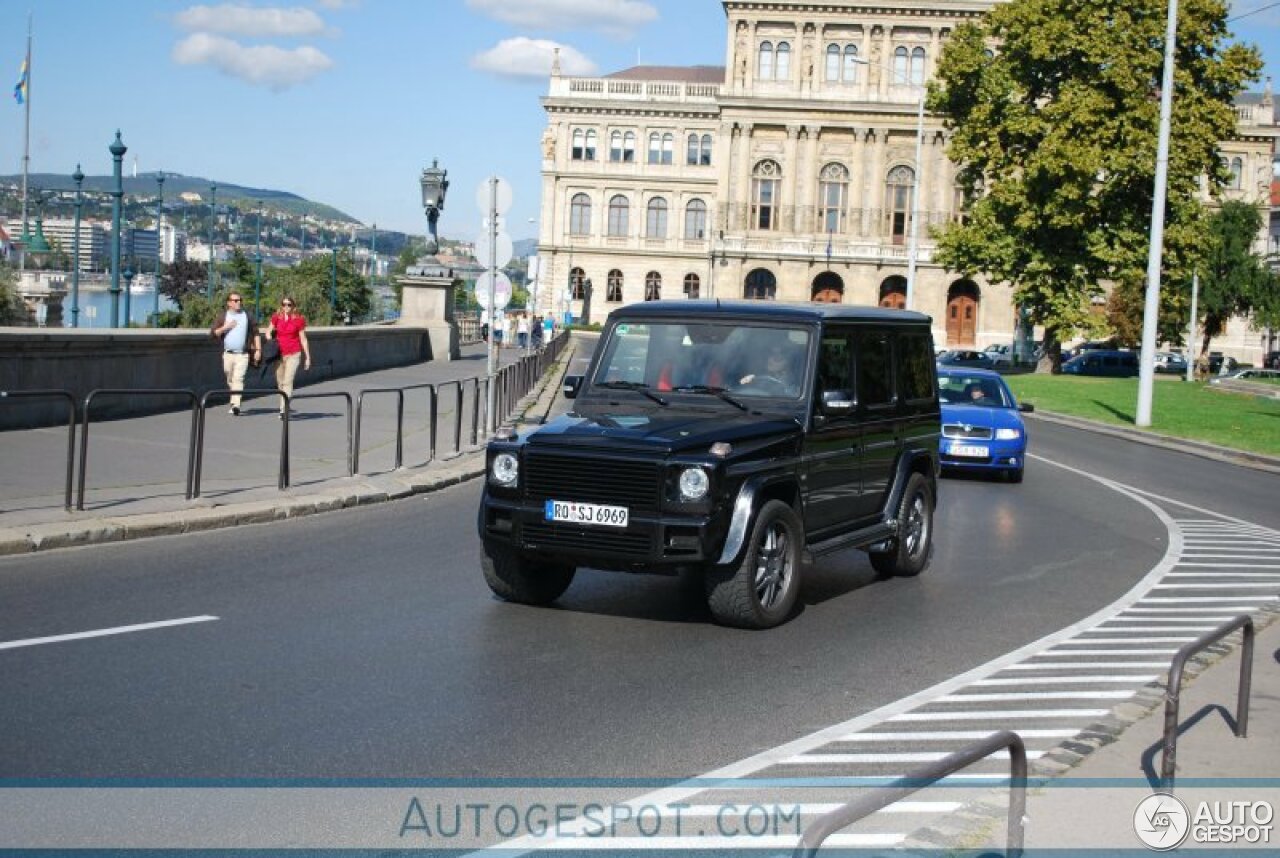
(972, 451)
(573, 512)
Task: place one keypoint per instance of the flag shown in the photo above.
(20, 88)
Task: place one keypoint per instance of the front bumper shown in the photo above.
(651, 542)
(1003, 455)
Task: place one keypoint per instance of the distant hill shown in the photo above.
(176, 183)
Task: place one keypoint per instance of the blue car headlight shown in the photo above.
(1008, 434)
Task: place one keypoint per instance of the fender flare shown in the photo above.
(902, 473)
(744, 509)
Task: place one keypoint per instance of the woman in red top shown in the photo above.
(289, 330)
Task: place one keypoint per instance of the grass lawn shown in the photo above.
(1184, 410)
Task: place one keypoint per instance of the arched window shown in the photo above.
(618, 210)
(765, 180)
(652, 286)
(833, 191)
(898, 187)
(668, 148)
(655, 147)
(629, 147)
(695, 219)
(782, 70)
(764, 69)
(615, 146)
(917, 66)
(580, 215)
(833, 64)
(761, 285)
(655, 225)
(850, 63)
(579, 144)
(691, 156)
(1237, 173)
(901, 66)
(613, 294)
(577, 284)
(705, 159)
(692, 286)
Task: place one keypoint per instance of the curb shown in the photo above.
(1257, 461)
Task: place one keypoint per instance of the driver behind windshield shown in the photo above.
(777, 374)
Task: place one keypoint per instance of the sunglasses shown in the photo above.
(233, 299)
(286, 303)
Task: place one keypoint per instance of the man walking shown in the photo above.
(236, 328)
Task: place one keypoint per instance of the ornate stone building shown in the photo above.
(786, 174)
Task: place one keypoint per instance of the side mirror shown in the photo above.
(1026, 407)
(836, 403)
(572, 384)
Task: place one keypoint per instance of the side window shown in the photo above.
(875, 370)
(835, 363)
(917, 372)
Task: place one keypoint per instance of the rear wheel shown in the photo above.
(908, 553)
(519, 579)
(761, 592)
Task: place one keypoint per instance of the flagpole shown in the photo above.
(26, 147)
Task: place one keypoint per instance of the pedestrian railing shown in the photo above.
(1168, 760)
(84, 430)
(11, 395)
(845, 815)
(509, 385)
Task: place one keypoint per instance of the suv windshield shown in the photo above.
(747, 361)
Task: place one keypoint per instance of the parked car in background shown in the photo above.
(1113, 364)
(1249, 375)
(982, 429)
(1217, 361)
(1170, 362)
(1001, 354)
(1272, 360)
(963, 357)
(1088, 346)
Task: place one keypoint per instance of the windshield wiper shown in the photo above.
(637, 386)
(714, 391)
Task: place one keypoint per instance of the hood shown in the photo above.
(658, 432)
(980, 415)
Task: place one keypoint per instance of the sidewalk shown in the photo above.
(136, 474)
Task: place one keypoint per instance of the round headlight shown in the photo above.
(505, 469)
(693, 484)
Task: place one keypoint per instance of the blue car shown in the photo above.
(982, 428)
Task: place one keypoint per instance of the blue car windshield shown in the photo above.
(973, 390)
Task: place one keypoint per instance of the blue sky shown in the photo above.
(344, 101)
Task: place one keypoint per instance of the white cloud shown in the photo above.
(620, 18)
(527, 58)
(235, 20)
(338, 4)
(261, 65)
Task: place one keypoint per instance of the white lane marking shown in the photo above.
(1201, 610)
(1127, 640)
(952, 735)
(1034, 695)
(1000, 715)
(1059, 653)
(1156, 628)
(102, 633)
(587, 843)
(905, 757)
(1057, 680)
(1222, 585)
(1088, 665)
(1174, 600)
(698, 811)
(1127, 617)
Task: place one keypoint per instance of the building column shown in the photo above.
(791, 180)
(866, 193)
(744, 178)
(809, 192)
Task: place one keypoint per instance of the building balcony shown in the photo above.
(608, 89)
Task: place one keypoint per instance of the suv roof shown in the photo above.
(766, 310)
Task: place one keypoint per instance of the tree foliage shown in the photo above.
(1234, 281)
(1056, 139)
(180, 280)
(13, 311)
(309, 283)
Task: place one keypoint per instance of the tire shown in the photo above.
(761, 592)
(1014, 475)
(519, 579)
(909, 552)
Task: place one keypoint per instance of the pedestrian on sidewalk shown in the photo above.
(237, 330)
(535, 332)
(548, 328)
(288, 328)
(522, 331)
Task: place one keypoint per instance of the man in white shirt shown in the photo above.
(238, 331)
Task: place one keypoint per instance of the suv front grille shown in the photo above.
(632, 484)
(959, 430)
(614, 541)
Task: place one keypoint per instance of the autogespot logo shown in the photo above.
(1161, 821)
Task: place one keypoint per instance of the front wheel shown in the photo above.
(909, 552)
(518, 579)
(761, 592)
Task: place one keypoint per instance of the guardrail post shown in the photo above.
(435, 405)
(190, 394)
(1173, 690)
(457, 421)
(475, 410)
(9, 395)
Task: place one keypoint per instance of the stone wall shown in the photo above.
(84, 360)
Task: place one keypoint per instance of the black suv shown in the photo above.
(738, 439)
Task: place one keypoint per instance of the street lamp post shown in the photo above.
(213, 236)
(78, 178)
(117, 150)
(257, 269)
(155, 298)
(333, 280)
(373, 257)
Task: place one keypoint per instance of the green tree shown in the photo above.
(181, 280)
(13, 311)
(1234, 281)
(241, 268)
(308, 283)
(1055, 136)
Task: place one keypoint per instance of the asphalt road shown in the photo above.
(365, 643)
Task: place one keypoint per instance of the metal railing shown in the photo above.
(329, 394)
(845, 815)
(84, 430)
(282, 466)
(355, 450)
(1169, 753)
(10, 395)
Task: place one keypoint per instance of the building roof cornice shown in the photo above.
(914, 9)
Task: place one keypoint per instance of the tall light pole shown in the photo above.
(155, 298)
(78, 178)
(1151, 307)
(117, 150)
(213, 237)
(333, 280)
(257, 269)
